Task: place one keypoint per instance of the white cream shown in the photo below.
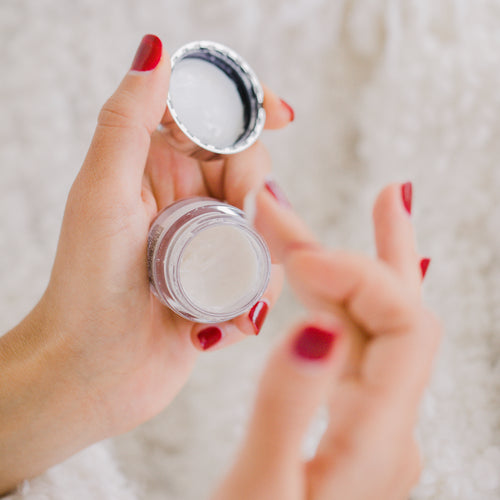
(207, 102)
(219, 268)
(205, 262)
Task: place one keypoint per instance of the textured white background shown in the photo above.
(383, 91)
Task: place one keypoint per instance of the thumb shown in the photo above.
(294, 385)
(120, 145)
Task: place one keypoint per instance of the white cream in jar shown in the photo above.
(205, 262)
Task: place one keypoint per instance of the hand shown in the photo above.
(99, 354)
(368, 450)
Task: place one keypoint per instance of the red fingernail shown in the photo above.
(209, 336)
(257, 315)
(314, 343)
(277, 193)
(148, 54)
(289, 109)
(406, 193)
(424, 265)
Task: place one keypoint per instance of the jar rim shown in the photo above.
(196, 226)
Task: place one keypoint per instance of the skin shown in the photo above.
(368, 450)
(99, 355)
(117, 356)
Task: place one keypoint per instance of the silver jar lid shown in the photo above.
(250, 92)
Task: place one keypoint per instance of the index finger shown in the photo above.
(402, 334)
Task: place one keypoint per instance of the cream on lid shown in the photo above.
(219, 268)
(207, 102)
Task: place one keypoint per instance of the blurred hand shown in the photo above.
(99, 354)
(371, 308)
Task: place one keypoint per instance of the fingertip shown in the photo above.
(213, 337)
(424, 266)
(407, 195)
(280, 226)
(390, 198)
(206, 337)
(252, 322)
(314, 343)
(279, 113)
(148, 54)
(257, 315)
(394, 231)
(152, 62)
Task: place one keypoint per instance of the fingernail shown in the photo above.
(258, 315)
(277, 193)
(148, 54)
(314, 343)
(289, 109)
(406, 193)
(209, 337)
(424, 265)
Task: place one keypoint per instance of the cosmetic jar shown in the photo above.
(215, 102)
(205, 262)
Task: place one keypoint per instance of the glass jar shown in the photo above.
(205, 261)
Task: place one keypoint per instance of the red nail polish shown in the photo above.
(314, 343)
(424, 265)
(277, 193)
(148, 54)
(209, 337)
(406, 193)
(257, 315)
(289, 109)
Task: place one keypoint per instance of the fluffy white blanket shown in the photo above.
(384, 90)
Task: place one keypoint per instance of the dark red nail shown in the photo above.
(257, 315)
(289, 109)
(148, 54)
(277, 193)
(406, 193)
(424, 265)
(209, 336)
(314, 343)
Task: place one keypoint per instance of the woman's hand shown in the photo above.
(369, 308)
(99, 354)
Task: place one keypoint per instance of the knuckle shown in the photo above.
(402, 313)
(117, 110)
(344, 444)
(122, 110)
(111, 116)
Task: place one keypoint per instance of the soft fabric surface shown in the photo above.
(383, 91)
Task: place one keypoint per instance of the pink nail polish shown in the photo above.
(148, 54)
(289, 109)
(424, 265)
(314, 343)
(407, 193)
(278, 194)
(209, 337)
(257, 315)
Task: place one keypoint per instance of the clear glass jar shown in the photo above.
(205, 261)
